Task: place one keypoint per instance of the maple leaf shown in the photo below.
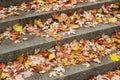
(27, 74)
(99, 19)
(1, 7)
(112, 20)
(4, 75)
(2, 65)
(19, 77)
(75, 45)
(17, 27)
(38, 22)
(51, 56)
(27, 64)
(73, 1)
(97, 60)
(20, 58)
(66, 62)
(54, 15)
(114, 57)
(118, 22)
(86, 64)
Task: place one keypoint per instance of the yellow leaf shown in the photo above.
(51, 27)
(11, 13)
(99, 46)
(28, 63)
(75, 45)
(18, 27)
(51, 56)
(118, 16)
(66, 62)
(99, 19)
(113, 39)
(1, 36)
(4, 75)
(112, 20)
(80, 59)
(35, 21)
(38, 34)
(74, 26)
(118, 41)
(114, 57)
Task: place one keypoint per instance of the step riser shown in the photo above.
(30, 16)
(10, 55)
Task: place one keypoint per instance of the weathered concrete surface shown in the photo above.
(30, 16)
(7, 3)
(8, 49)
(80, 72)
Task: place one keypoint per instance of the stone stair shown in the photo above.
(9, 50)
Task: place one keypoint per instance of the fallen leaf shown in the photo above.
(86, 64)
(112, 20)
(75, 45)
(51, 56)
(114, 57)
(4, 75)
(27, 74)
(27, 64)
(54, 15)
(66, 62)
(2, 65)
(118, 22)
(17, 27)
(19, 77)
(20, 58)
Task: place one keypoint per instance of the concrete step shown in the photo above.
(9, 49)
(80, 72)
(26, 17)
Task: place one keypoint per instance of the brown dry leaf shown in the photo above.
(20, 58)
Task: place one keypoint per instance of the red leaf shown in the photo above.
(54, 15)
(1, 8)
(2, 65)
(118, 22)
(107, 6)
